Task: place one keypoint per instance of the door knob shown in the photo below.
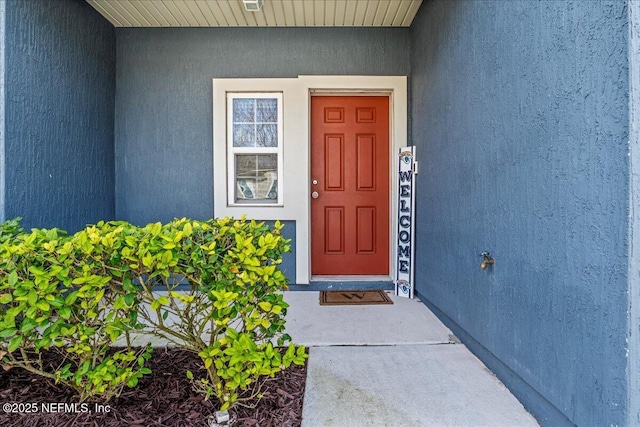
(315, 195)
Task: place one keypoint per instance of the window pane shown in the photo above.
(244, 136)
(267, 135)
(257, 177)
(268, 162)
(244, 110)
(255, 131)
(267, 110)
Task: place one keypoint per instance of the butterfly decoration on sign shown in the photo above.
(406, 156)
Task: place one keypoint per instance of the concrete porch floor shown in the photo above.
(393, 365)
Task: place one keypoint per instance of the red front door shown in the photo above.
(350, 185)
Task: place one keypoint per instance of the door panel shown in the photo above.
(334, 162)
(366, 229)
(350, 161)
(334, 231)
(366, 162)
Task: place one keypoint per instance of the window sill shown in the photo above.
(255, 205)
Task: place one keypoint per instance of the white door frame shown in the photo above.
(296, 199)
(391, 227)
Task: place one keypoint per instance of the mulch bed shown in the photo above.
(163, 398)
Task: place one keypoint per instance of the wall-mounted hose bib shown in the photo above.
(487, 260)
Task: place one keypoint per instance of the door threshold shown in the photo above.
(350, 278)
(360, 285)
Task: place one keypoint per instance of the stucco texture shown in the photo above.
(59, 114)
(164, 142)
(520, 115)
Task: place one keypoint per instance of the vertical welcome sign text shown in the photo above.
(406, 209)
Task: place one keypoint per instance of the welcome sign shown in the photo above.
(406, 208)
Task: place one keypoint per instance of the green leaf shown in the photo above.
(99, 295)
(129, 299)
(44, 342)
(43, 305)
(37, 271)
(68, 331)
(14, 343)
(15, 311)
(133, 317)
(145, 371)
(28, 324)
(65, 312)
(290, 350)
(13, 278)
(65, 369)
(266, 306)
(6, 333)
(147, 261)
(71, 298)
(254, 357)
(32, 297)
(31, 311)
(187, 229)
(156, 228)
(57, 302)
(167, 256)
(190, 375)
(5, 298)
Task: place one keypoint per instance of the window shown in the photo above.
(254, 138)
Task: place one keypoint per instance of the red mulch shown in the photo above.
(163, 398)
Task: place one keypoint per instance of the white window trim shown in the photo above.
(296, 133)
(232, 151)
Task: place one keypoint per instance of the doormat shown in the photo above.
(354, 298)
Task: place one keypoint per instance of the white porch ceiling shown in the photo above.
(275, 13)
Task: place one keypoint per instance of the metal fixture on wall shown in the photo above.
(252, 5)
(487, 260)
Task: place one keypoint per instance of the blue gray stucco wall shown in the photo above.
(520, 116)
(2, 102)
(59, 104)
(288, 265)
(164, 142)
(633, 368)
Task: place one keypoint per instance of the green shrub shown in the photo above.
(56, 293)
(233, 307)
(10, 229)
(80, 294)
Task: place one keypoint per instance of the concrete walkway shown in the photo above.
(393, 365)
